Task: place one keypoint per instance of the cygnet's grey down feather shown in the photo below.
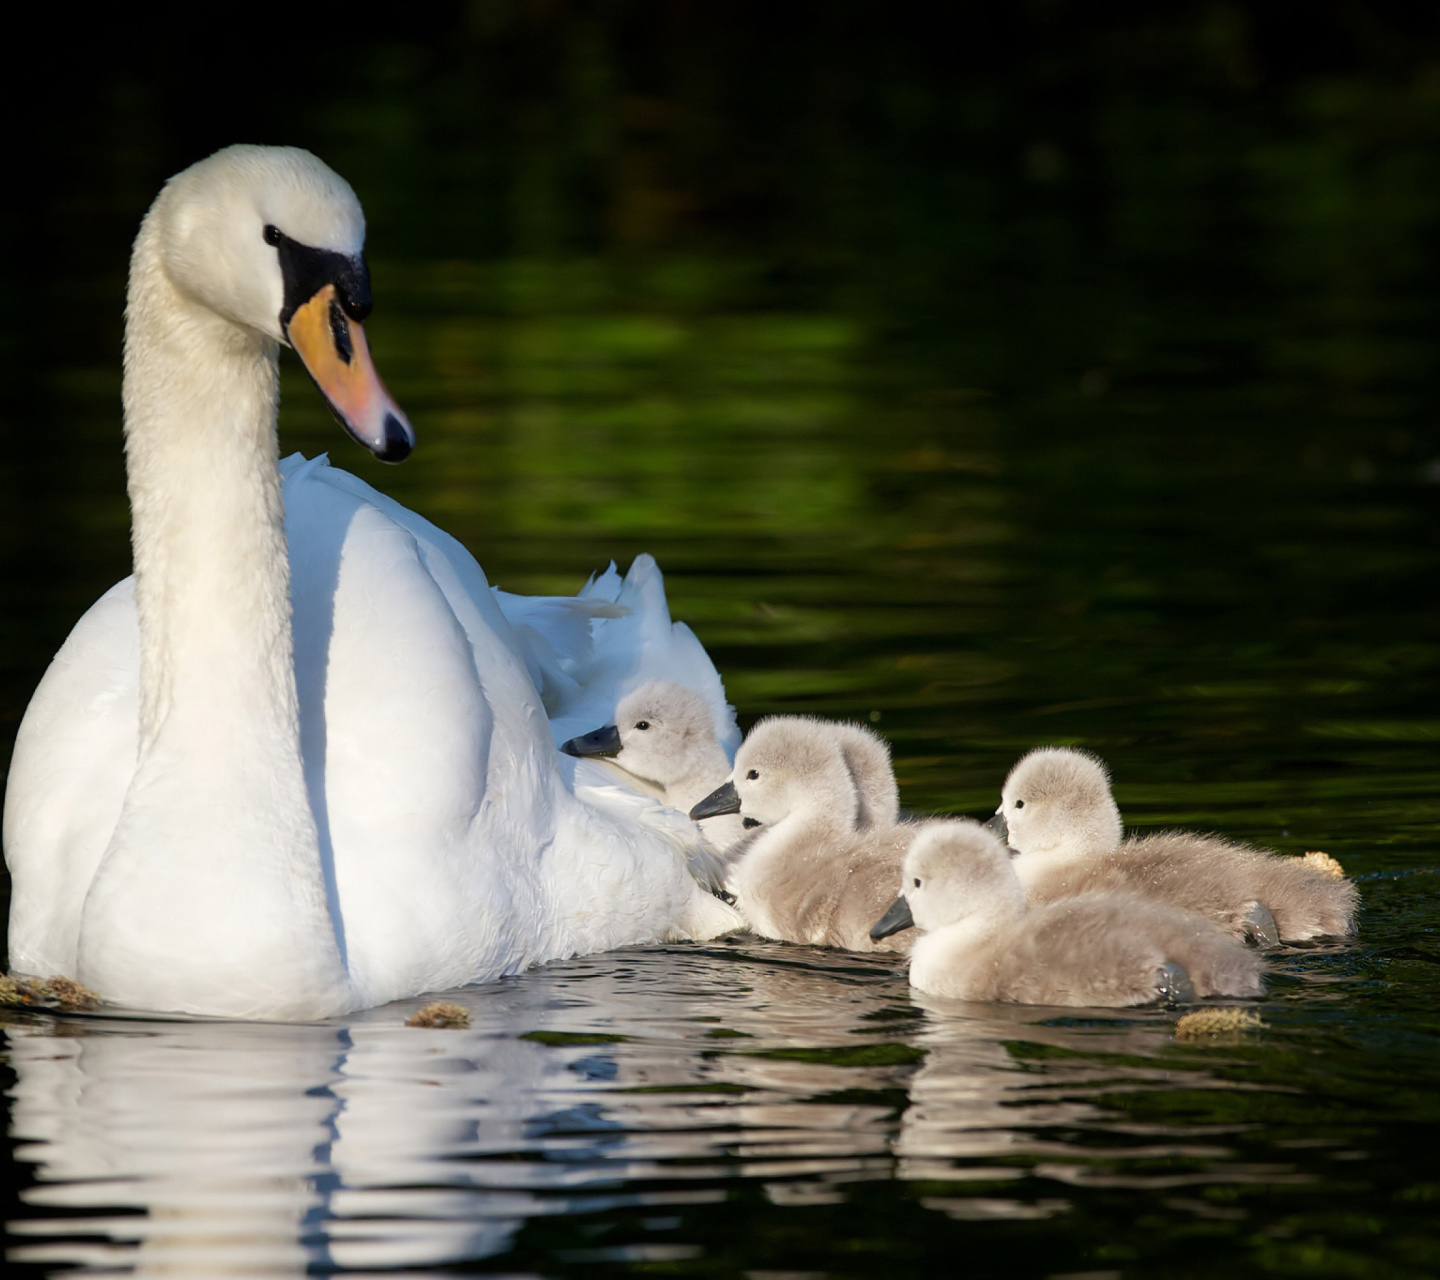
(665, 743)
(812, 874)
(979, 941)
(1216, 878)
(867, 757)
(824, 893)
(1061, 819)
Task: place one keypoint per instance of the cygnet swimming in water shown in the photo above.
(826, 858)
(1059, 816)
(979, 941)
(664, 738)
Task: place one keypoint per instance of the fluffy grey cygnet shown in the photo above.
(826, 859)
(979, 941)
(1059, 816)
(664, 738)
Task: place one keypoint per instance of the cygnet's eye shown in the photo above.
(1019, 804)
(917, 882)
(272, 234)
(753, 774)
(642, 724)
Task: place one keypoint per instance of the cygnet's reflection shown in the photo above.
(979, 1112)
(209, 1148)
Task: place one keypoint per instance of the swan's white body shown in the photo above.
(216, 808)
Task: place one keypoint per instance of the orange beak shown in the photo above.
(337, 357)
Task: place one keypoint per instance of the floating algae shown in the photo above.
(440, 1014)
(1324, 864)
(45, 993)
(1217, 1024)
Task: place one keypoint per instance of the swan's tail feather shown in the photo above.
(604, 586)
(554, 637)
(636, 643)
(564, 622)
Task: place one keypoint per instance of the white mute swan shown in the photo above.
(978, 942)
(1058, 814)
(292, 816)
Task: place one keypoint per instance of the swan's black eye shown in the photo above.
(753, 774)
(340, 332)
(917, 883)
(642, 724)
(272, 234)
(1019, 804)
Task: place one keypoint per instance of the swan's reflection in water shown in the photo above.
(651, 1079)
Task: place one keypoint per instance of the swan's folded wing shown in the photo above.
(454, 569)
(632, 638)
(598, 787)
(73, 760)
(554, 634)
(501, 837)
(563, 622)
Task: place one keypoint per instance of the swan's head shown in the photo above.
(272, 240)
(786, 765)
(663, 732)
(1057, 800)
(953, 870)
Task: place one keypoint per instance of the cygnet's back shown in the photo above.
(1059, 816)
(664, 737)
(979, 941)
(867, 757)
(811, 873)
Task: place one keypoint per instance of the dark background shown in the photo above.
(1133, 304)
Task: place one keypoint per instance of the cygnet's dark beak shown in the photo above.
(598, 742)
(724, 799)
(999, 827)
(897, 918)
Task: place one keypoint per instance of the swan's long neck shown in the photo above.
(216, 837)
(211, 569)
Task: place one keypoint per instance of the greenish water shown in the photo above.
(1012, 381)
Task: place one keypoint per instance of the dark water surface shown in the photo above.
(1065, 380)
